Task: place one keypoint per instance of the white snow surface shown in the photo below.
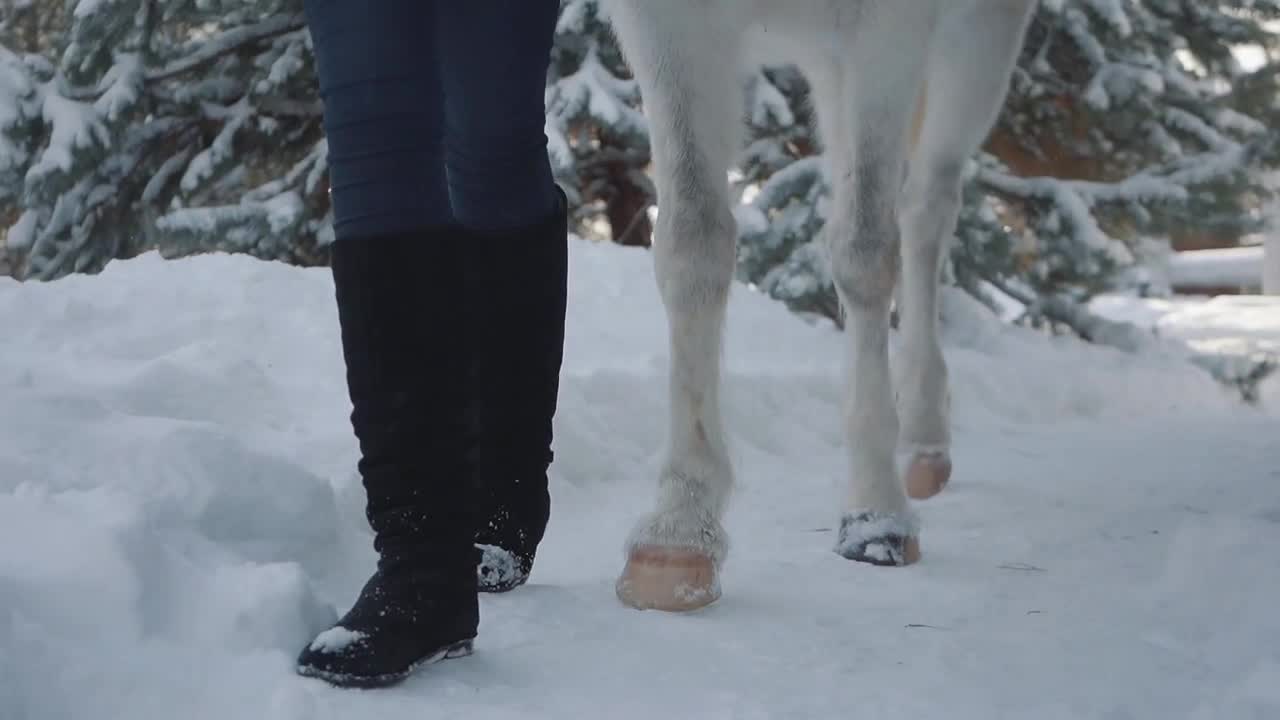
(1216, 268)
(1241, 327)
(179, 515)
(1243, 323)
(336, 639)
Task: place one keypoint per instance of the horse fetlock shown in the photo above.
(693, 529)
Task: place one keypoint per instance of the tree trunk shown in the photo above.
(627, 210)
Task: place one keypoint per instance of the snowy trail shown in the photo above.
(178, 513)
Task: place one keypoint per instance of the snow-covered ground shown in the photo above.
(1240, 329)
(1239, 267)
(178, 512)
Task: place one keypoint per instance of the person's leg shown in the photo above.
(383, 114)
(494, 57)
(403, 342)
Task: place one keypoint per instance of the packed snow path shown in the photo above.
(178, 513)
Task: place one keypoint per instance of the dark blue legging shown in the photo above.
(434, 112)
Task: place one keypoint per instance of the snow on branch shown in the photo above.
(123, 87)
(220, 152)
(141, 109)
(1189, 123)
(595, 91)
(229, 42)
(73, 126)
(1114, 14)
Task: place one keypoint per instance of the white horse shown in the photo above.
(872, 64)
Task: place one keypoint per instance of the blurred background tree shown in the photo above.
(1127, 120)
(193, 126)
(598, 138)
(185, 126)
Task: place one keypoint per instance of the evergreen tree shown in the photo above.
(599, 140)
(194, 125)
(187, 125)
(1125, 119)
(785, 190)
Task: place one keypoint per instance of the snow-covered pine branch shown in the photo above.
(1125, 119)
(150, 125)
(597, 136)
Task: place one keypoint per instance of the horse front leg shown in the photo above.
(675, 553)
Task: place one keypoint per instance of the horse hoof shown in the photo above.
(878, 539)
(668, 579)
(927, 475)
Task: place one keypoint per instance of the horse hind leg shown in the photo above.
(972, 56)
(930, 206)
(866, 116)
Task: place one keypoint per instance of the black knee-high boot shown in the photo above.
(517, 304)
(406, 346)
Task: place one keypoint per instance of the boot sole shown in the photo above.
(462, 648)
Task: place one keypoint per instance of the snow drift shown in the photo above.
(178, 512)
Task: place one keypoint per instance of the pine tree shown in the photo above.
(1126, 119)
(599, 140)
(785, 191)
(194, 125)
(188, 126)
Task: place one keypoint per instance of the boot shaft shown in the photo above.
(517, 313)
(405, 346)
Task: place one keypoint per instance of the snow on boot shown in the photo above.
(403, 340)
(401, 621)
(517, 306)
(500, 570)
